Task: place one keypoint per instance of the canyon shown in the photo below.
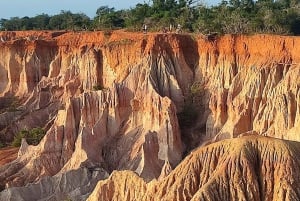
(156, 116)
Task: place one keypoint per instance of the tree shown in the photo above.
(26, 23)
(135, 17)
(41, 22)
(104, 16)
(3, 24)
(14, 23)
(80, 21)
(235, 3)
(230, 16)
(108, 18)
(55, 23)
(68, 20)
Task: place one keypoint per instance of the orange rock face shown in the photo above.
(251, 86)
(248, 168)
(130, 101)
(104, 112)
(7, 155)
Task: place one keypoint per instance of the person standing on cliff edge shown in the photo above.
(179, 29)
(170, 28)
(145, 28)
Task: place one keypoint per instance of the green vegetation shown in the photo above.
(195, 89)
(68, 199)
(248, 16)
(2, 145)
(33, 136)
(98, 87)
(232, 16)
(189, 114)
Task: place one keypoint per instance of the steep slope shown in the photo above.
(248, 168)
(130, 101)
(74, 185)
(126, 125)
(253, 83)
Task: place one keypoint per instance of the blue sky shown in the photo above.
(21, 8)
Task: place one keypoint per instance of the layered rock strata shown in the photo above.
(108, 113)
(113, 100)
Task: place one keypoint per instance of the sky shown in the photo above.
(31, 8)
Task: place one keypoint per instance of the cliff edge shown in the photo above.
(117, 101)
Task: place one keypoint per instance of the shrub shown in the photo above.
(68, 199)
(196, 89)
(33, 136)
(18, 138)
(98, 87)
(189, 114)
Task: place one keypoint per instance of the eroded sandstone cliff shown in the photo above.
(248, 168)
(130, 101)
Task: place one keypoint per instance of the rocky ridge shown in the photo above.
(247, 168)
(111, 100)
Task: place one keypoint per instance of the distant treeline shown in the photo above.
(233, 16)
